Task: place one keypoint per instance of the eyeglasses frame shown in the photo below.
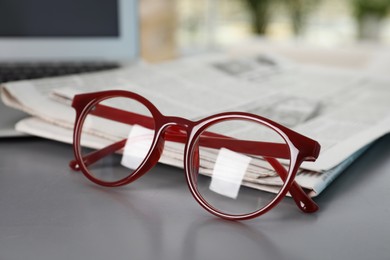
(301, 149)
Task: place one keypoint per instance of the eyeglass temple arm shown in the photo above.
(271, 151)
(277, 150)
(268, 151)
(95, 156)
(301, 199)
(263, 149)
(217, 141)
(211, 140)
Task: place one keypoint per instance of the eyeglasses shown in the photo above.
(224, 154)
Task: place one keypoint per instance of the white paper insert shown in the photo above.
(137, 146)
(228, 173)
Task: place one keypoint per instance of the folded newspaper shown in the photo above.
(341, 109)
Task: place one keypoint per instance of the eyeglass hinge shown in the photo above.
(74, 165)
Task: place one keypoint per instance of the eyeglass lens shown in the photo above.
(128, 142)
(233, 164)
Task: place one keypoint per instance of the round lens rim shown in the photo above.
(81, 114)
(191, 175)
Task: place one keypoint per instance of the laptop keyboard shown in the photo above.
(20, 71)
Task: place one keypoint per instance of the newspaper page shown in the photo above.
(313, 101)
(340, 108)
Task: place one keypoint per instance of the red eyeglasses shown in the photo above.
(223, 154)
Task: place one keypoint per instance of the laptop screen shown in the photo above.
(58, 18)
(68, 30)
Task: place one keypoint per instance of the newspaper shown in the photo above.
(342, 110)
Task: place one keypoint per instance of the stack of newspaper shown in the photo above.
(343, 110)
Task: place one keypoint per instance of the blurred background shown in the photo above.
(172, 28)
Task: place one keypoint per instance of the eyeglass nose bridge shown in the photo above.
(178, 121)
(175, 129)
(176, 125)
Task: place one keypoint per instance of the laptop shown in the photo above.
(43, 38)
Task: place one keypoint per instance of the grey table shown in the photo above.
(50, 212)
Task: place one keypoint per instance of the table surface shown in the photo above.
(49, 212)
